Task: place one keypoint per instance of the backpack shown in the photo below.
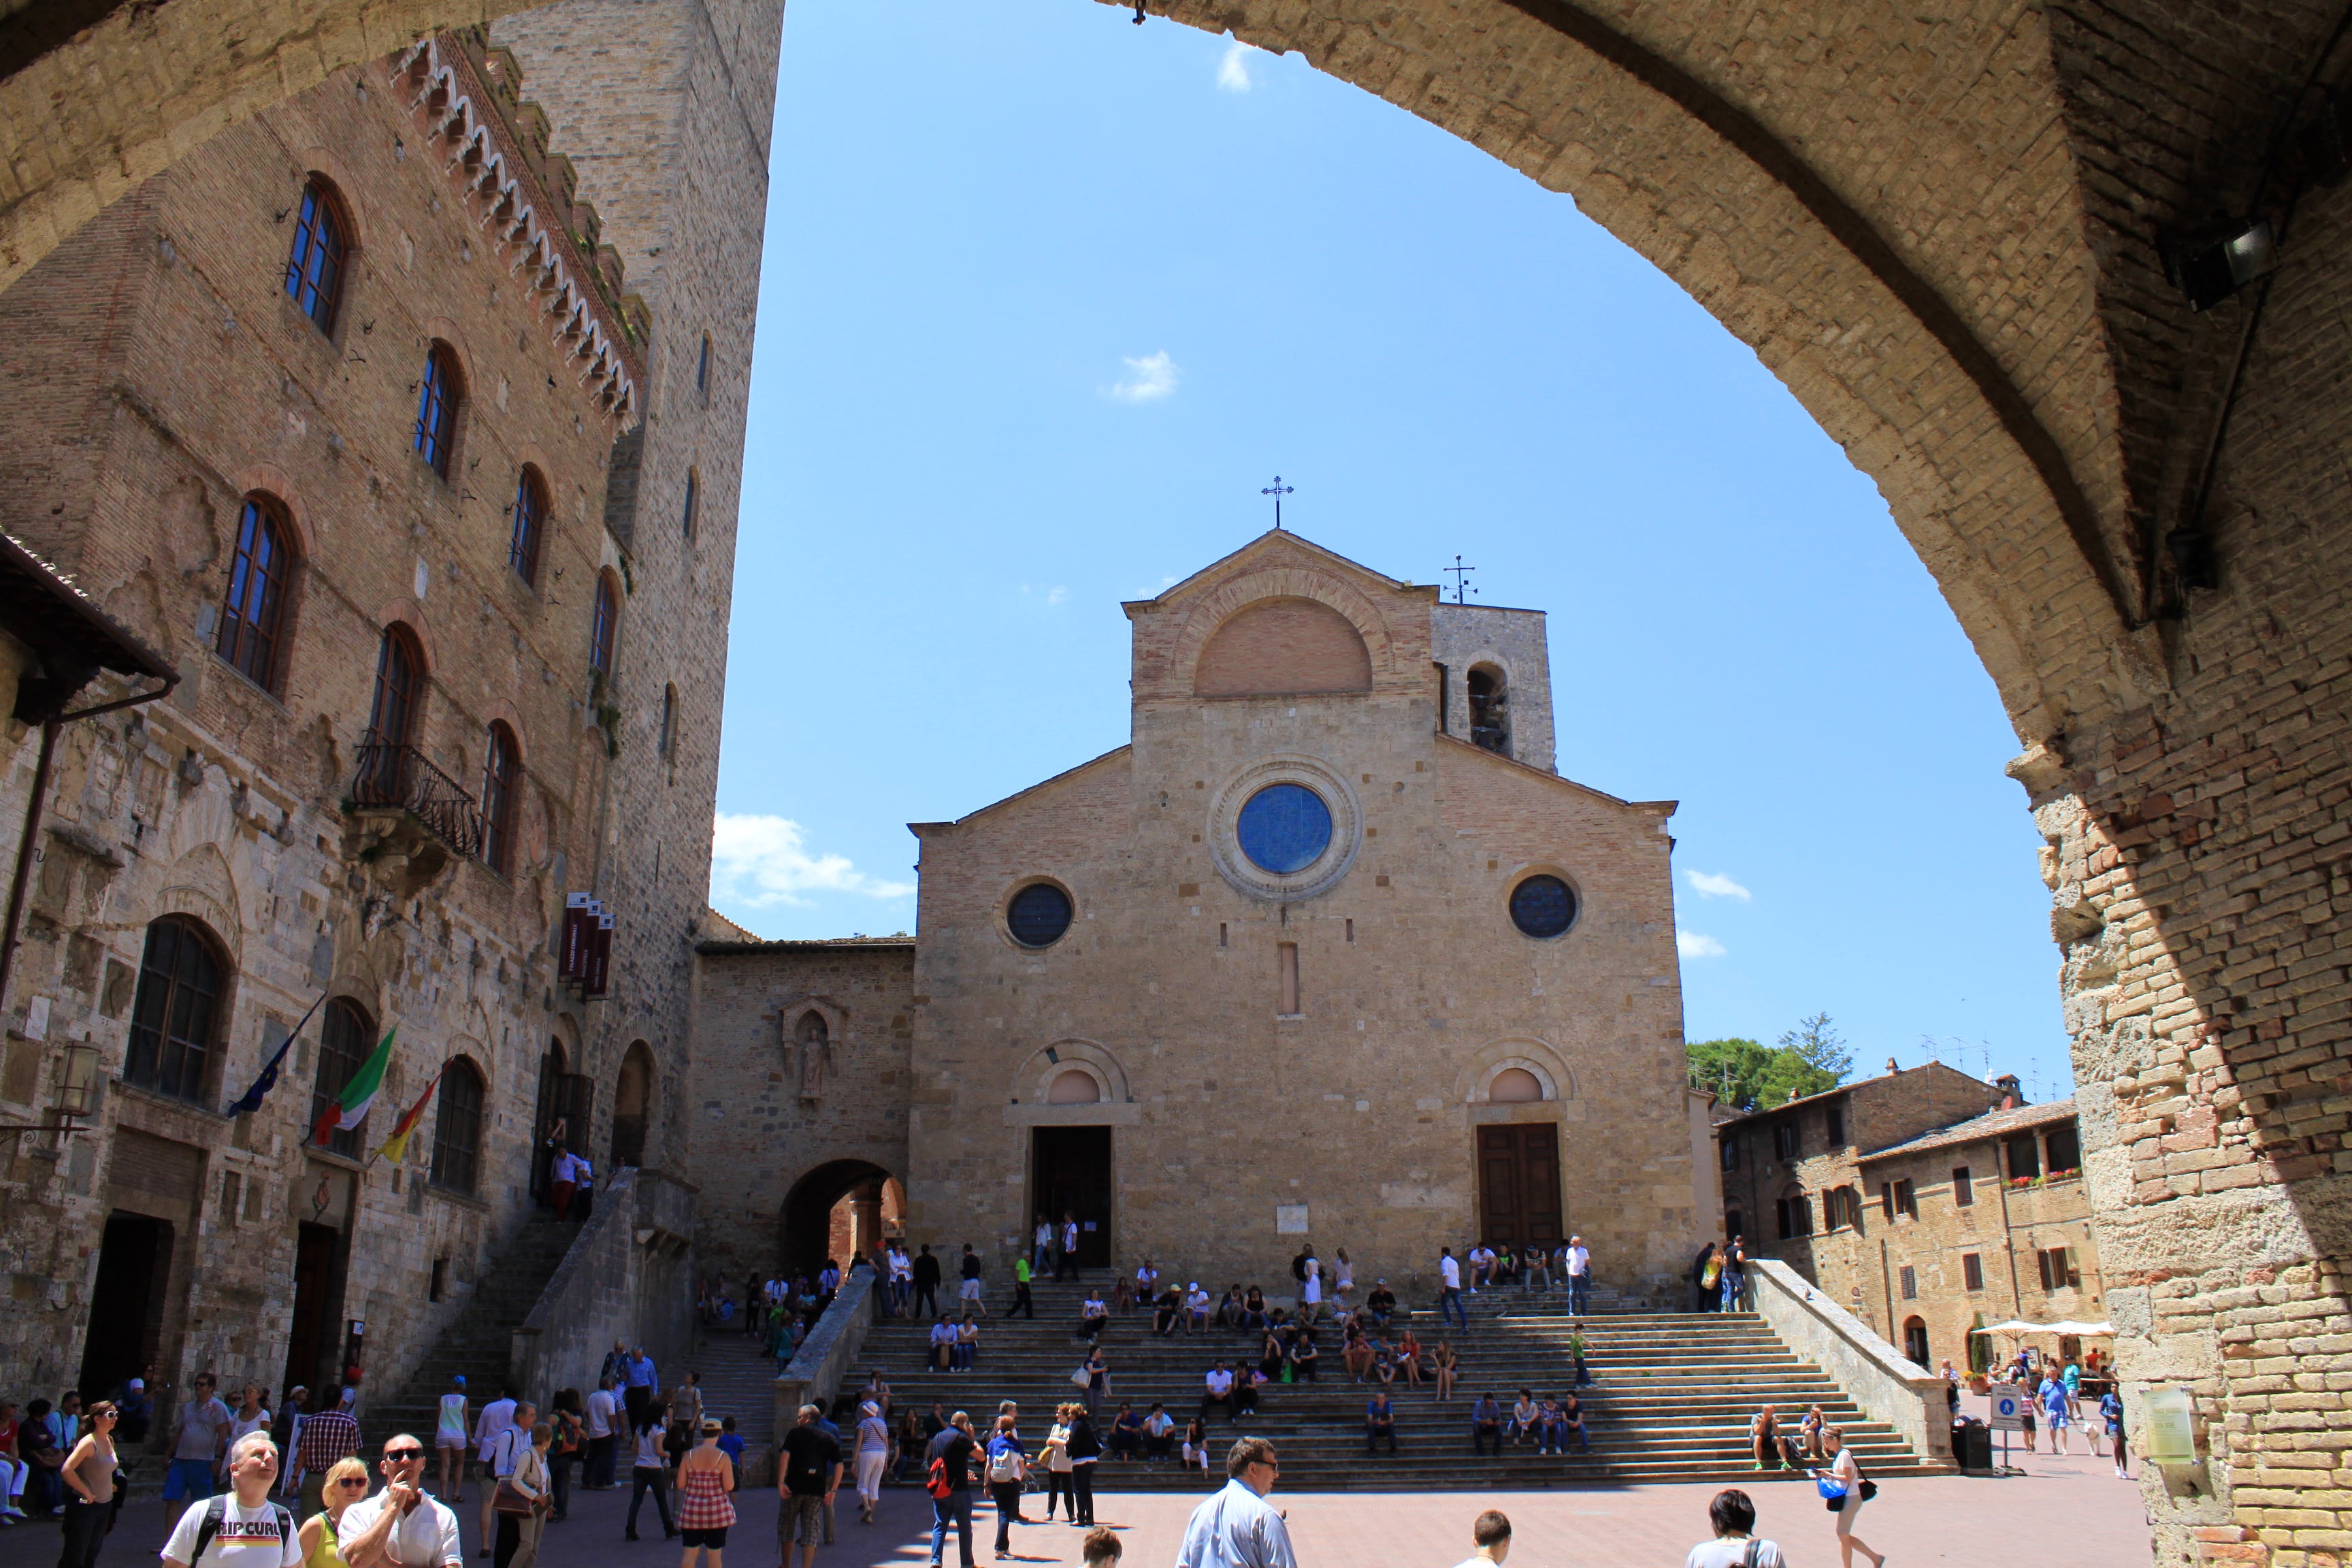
(937, 1484)
(216, 1515)
(1004, 1465)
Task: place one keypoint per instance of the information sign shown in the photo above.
(2008, 1408)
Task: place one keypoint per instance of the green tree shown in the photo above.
(1746, 1074)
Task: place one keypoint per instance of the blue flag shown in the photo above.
(249, 1102)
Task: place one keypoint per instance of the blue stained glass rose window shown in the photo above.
(1543, 906)
(1040, 913)
(1283, 828)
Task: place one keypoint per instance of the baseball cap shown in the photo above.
(138, 1384)
(459, 1380)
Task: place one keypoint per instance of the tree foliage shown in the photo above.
(1746, 1074)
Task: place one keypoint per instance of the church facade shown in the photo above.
(1328, 952)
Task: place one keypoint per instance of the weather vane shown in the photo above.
(1460, 575)
(1277, 490)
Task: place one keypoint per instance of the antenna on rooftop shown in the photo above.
(1277, 490)
(1460, 575)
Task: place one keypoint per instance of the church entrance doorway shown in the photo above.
(1518, 1186)
(1070, 1173)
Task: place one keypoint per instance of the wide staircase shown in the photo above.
(738, 1379)
(479, 1342)
(1672, 1395)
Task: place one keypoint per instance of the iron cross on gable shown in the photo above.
(1460, 575)
(1277, 490)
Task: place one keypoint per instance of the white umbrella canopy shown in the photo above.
(2068, 1326)
(2015, 1326)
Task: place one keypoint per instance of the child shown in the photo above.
(1102, 1548)
(730, 1442)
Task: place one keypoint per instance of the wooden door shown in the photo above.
(1518, 1186)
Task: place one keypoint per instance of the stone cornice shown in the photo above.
(466, 100)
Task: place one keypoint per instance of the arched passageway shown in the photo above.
(840, 1210)
(1938, 227)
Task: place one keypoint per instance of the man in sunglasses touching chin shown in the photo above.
(402, 1526)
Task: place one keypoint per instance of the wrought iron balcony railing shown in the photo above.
(399, 777)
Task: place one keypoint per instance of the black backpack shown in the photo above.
(216, 1515)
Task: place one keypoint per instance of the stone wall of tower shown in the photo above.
(1463, 636)
(664, 109)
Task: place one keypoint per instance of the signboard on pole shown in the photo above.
(2008, 1408)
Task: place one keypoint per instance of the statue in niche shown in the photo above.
(814, 1041)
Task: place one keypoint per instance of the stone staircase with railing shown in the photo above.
(1672, 1400)
(479, 1341)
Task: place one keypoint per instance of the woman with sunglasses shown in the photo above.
(88, 1477)
(346, 1483)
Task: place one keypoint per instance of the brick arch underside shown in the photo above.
(1921, 280)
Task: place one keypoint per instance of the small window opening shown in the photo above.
(668, 720)
(440, 1286)
(1972, 1270)
(1221, 934)
(2024, 1157)
(1835, 1119)
(232, 1196)
(1490, 713)
(1351, 931)
(437, 396)
(1288, 1003)
(702, 367)
(693, 498)
(1964, 1190)
(1786, 1140)
(1910, 1283)
(2065, 1150)
(1906, 1201)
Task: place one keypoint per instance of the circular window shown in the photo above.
(1283, 828)
(1039, 914)
(1543, 906)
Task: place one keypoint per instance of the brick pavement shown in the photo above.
(2066, 1512)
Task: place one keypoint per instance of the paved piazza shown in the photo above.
(2065, 1512)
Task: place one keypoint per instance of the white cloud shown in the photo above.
(1690, 944)
(1056, 595)
(1148, 379)
(759, 862)
(1707, 885)
(1233, 70)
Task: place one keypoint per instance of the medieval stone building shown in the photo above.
(1327, 954)
(426, 492)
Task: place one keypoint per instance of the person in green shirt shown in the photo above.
(1023, 1302)
(1577, 1343)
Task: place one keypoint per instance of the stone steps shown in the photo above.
(479, 1341)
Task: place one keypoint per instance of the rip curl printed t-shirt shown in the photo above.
(248, 1538)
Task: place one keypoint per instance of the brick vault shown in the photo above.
(1945, 229)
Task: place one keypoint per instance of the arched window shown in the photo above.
(1490, 710)
(314, 269)
(668, 720)
(1914, 1341)
(175, 1016)
(437, 396)
(254, 612)
(530, 522)
(693, 498)
(457, 1128)
(604, 623)
(633, 1105)
(1794, 1213)
(345, 1038)
(399, 684)
(502, 774)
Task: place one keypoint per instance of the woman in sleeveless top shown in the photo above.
(320, 1537)
(88, 1477)
(449, 1437)
(705, 1477)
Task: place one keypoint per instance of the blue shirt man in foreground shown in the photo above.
(1237, 1528)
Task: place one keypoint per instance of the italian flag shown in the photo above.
(395, 1147)
(350, 1106)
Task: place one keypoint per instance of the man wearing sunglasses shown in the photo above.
(1237, 1528)
(402, 1526)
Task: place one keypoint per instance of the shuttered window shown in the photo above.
(457, 1129)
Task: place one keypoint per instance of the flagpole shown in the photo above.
(283, 1046)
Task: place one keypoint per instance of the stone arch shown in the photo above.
(1034, 1079)
(1212, 612)
(203, 888)
(1474, 1084)
(805, 1224)
(636, 1096)
(1283, 647)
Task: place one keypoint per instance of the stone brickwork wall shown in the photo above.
(758, 1134)
(1463, 637)
(161, 374)
(1414, 987)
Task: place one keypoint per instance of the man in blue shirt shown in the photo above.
(639, 1386)
(1380, 1421)
(1237, 1528)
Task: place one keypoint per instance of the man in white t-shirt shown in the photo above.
(401, 1526)
(602, 1421)
(1482, 1267)
(243, 1528)
(1734, 1546)
(499, 1463)
(1491, 1532)
(492, 1424)
(1580, 1275)
(1220, 1383)
(1449, 1293)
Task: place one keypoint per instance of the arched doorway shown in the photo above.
(840, 1210)
(1915, 1340)
(567, 1099)
(633, 1100)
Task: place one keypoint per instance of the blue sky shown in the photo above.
(1048, 298)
